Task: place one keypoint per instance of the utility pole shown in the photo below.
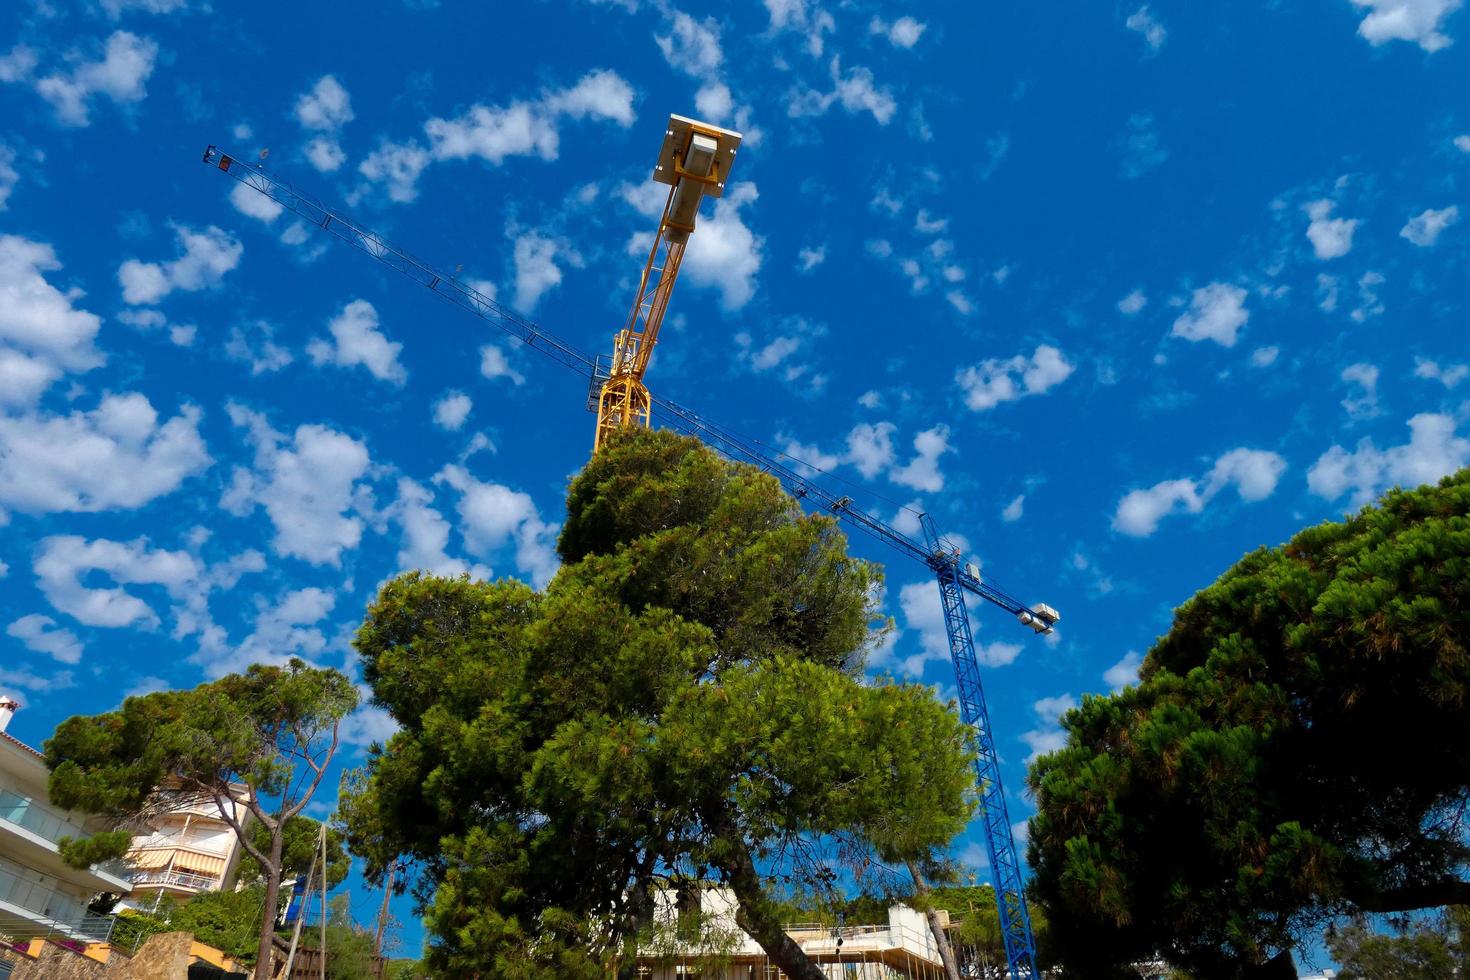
(322, 850)
(383, 911)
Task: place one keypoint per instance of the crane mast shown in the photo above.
(695, 162)
(632, 348)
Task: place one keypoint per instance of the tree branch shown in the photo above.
(1424, 895)
(311, 790)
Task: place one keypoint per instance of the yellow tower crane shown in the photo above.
(695, 162)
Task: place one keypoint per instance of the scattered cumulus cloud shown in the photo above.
(994, 381)
(922, 472)
(901, 33)
(253, 344)
(1433, 451)
(1264, 356)
(205, 257)
(1216, 312)
(117, 456)
(494, 364)
(493, 516)
(121, 75)
(1048, 736)
(1331, 237)
(307, 483)
(1133, 303)
(357, 342)
(42, 330)
(1448, 375)
(425, 534)
(800, 16)
(1424, 229)
(1364, 403)
(451, 410)
(68, 566)
(1253, 473)
(9, 176)
(254, 204)
(1140, 148)
(1143, 22)
(41, 634)
(1014, 509)
(326, 107)
(536, 268)
(1406, 20)
(1124, 672)
(724, 253)
(855, 90)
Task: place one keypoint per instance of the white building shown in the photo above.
(40, 894)
(903, 947)
(191, 849)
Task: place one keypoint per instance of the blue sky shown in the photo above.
(1116, 292)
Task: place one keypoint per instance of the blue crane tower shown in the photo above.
(956, 577)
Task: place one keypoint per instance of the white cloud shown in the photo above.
(1406, 20)
(901, 33)
(254, 344)
(65, 564)
(205, 257)
(41, 634)
(536, 270)
(1462, 143)
(451, 410)
(42, 332)
(254, 204)
(1139, 146)
(288, 628)
(870, 447)
(1048, 736)
(1124, 672)
(492, 516)
(396, 167)
(1216, 312)
(788, 338)
(1143, 22)
(493, 133)
(1264, 356)
(425, 534)
(1331, 237)
(1433, 451)
(1423, 230)
(494, 364)
(115, 8)
(325, 154)
(1132, 303)
(1369, 305)
(922, 472)
(723, 253)
(9, 176)
(326, 107)
(307, 485)
(809, 258)
(120, 75)
(691, 46)
(1365, 404)
(357, 341)
(855, 90)
(18, 64)
(1014, 509)
(1253, 473)
(116, 456)
(797, 15)
(991, 382)
(1448, 375)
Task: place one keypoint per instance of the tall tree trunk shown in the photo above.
(272, 899)
(757, 914)
(941, 938)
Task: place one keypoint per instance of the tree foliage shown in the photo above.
(1294, 750)
(274, 729)
(298, 850)
(684, 701)
(1429, 949)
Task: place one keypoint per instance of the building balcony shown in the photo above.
(34, 904)
(31, 832)
(183, 880)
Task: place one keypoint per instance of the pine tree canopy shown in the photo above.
(683, 703)
(1295, 749)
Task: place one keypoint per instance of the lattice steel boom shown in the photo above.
(955, 576)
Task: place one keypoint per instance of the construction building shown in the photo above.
(40, 894)
(902, 948)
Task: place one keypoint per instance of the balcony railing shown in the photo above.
(39, 819)
(177, 879)
(43, 899)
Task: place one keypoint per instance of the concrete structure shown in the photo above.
(903, 947)
(40, 894)
(192, 849)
